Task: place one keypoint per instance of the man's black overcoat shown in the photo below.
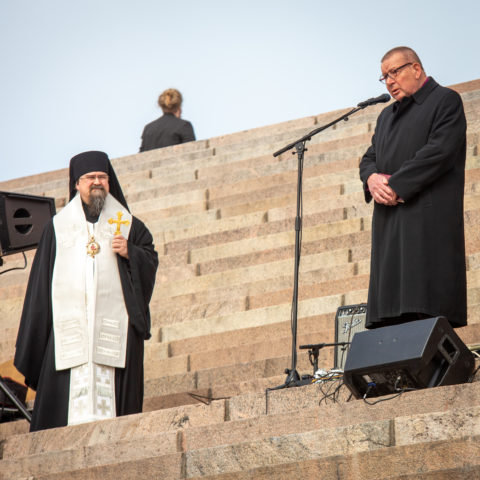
(418, 247)
(35, 352)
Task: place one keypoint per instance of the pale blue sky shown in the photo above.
(82, 75)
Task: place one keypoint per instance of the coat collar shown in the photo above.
(418, 97)
(421, 95)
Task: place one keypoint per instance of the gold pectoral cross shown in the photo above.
(119, 222)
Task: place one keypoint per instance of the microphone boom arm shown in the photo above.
(309, 136)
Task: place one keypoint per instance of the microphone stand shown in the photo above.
(293, 378)
(14, 400)
(314, 351)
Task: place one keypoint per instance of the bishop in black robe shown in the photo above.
(35, 352)
(418, 246)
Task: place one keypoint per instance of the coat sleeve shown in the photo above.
(368, 166)
(138, 276)
(36, 319)
(187, 133)
(142, 144)
(437, 156)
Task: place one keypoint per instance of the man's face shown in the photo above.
(91, 185)
(407, 80)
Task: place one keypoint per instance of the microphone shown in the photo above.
(385, 97)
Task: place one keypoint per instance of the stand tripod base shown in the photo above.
(293, 380)
(15, 401)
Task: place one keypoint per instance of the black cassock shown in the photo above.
(35, 355)
(418, 247)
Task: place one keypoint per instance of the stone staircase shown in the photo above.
(222, 215)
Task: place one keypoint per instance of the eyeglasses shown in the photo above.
(393, 73)
(91, 178)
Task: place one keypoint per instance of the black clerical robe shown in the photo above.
(35, 353)
(166, 131)
(418, 247)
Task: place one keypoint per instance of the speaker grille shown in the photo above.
(22, 219)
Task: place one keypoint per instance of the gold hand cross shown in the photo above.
(119, 222)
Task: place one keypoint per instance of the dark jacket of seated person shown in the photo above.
(166, 131)
(169, 129)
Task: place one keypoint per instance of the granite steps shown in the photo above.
(234, 439)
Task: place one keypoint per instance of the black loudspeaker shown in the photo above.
(413, 355)
(349, 320)
(22, 218)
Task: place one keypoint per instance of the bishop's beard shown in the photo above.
(97, 200)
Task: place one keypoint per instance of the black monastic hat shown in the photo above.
(95, 161)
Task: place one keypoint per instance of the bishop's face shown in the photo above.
(92, 185)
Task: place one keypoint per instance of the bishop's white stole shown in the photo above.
(90, 319)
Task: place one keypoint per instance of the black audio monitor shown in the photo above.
(420, 354)
(349, 320)
(22, 218)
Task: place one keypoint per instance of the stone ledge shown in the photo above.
(288, 449)
(319, 441)
(337, 437)
(171, 466)
(249, 318)
(434, 461)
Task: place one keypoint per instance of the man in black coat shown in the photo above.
(86, 313)
(169, 129)
(415, 172)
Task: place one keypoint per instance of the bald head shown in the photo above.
(408, 53)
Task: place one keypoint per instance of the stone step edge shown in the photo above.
(346, 440)
(422, 427)
(433, 462)
(386, 464)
